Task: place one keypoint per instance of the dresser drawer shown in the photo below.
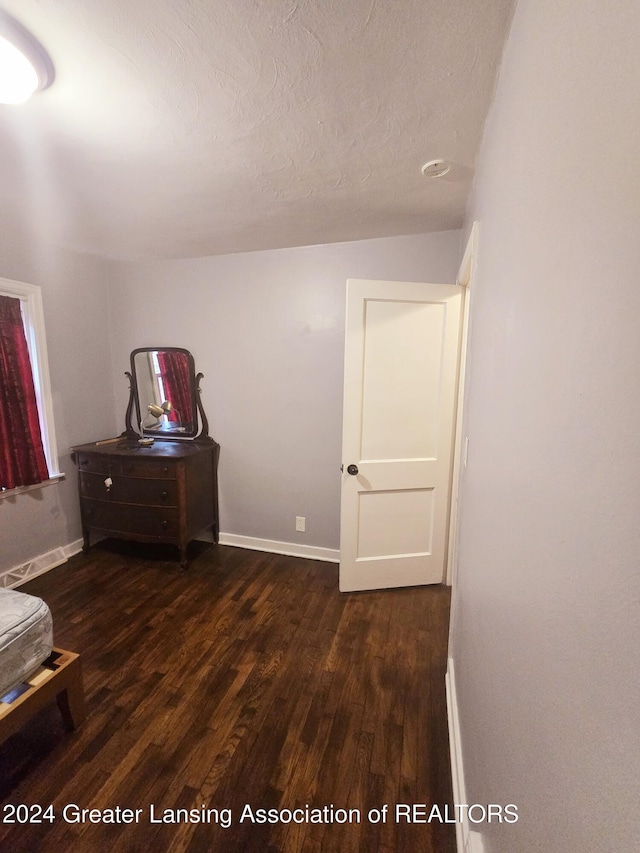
(95, 464)
(126, 518)
(152, 469)
(129, 490)
(92, 485)
(133, 490)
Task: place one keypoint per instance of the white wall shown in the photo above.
(74, 293)
(546, 640)
(267, 331)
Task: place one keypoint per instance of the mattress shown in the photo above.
(26, 636)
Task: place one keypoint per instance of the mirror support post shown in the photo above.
(204, 432)
(129, 431)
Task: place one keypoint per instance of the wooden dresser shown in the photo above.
(167, 492)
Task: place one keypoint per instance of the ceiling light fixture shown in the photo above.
(25, 66)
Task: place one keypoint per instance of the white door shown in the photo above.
(401, 363)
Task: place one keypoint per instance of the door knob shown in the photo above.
(352, 469)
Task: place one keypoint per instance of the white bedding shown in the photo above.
(26, 636)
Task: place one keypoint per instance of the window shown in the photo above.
(33, 323)
(157, 380)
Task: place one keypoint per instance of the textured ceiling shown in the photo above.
(196, 127)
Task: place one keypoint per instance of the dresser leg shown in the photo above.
(85, 540)
(183, 558)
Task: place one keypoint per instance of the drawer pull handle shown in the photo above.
(165, 524)
(163, 495)
(84, 461)
(165, 470)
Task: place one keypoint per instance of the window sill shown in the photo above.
(20, 490)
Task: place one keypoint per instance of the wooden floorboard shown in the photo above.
(248, 680)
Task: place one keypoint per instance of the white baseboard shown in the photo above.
(18, 575)
(467, 840)
(289, 549)
(39, 565)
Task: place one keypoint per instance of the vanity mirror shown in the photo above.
(157, 482)
(165, 396)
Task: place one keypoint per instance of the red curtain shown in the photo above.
(175, 376)
(22, 460)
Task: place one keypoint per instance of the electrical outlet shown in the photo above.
(300, 523)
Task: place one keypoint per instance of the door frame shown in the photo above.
(466, 274)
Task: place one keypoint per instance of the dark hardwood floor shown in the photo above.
(248, 680)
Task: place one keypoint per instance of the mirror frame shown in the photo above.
(196, 403)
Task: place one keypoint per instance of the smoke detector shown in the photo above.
(436, 168)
